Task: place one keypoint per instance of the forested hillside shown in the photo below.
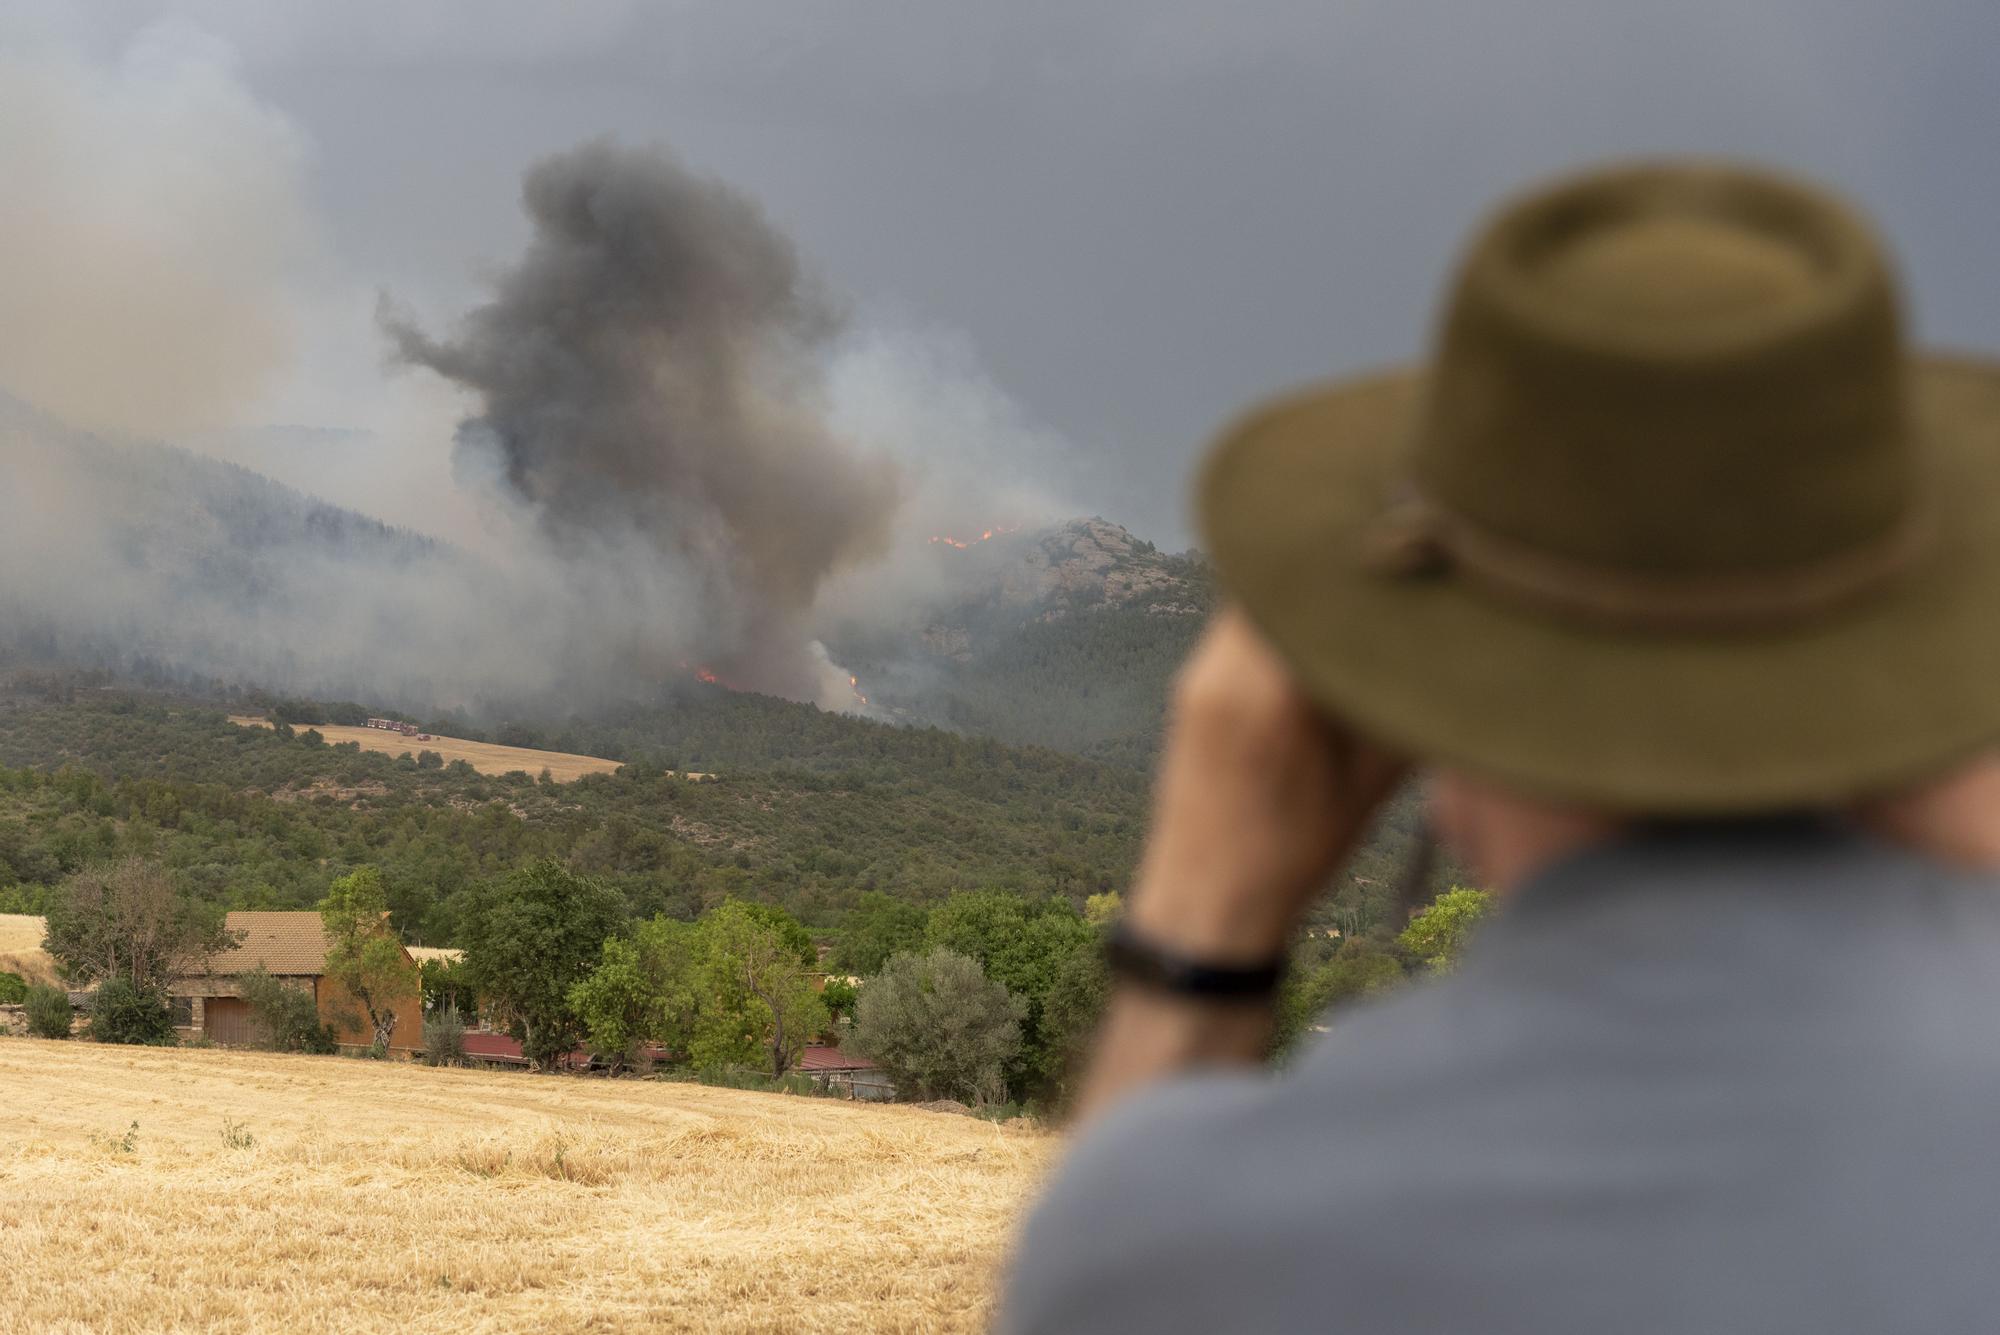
(809, 811)
(1065, 636)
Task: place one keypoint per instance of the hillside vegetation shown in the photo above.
(154, 1189)
(257, 819)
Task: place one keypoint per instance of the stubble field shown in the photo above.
(486, 757)
(266, 1192)
(21, 948)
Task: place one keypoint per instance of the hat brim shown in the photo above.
(1902, 682)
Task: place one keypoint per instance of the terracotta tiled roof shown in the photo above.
(284, 942)
(825, 1057)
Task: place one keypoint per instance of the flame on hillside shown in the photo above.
(706, 675)
(710, 677)
(987, 535)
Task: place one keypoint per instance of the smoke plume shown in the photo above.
(141, 195)
(652, 371)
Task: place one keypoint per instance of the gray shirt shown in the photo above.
(1709, 1081)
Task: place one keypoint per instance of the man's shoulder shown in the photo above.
(1228, 1172)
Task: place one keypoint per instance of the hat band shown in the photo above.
(1417, 537)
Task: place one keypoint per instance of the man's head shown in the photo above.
(1671, 523)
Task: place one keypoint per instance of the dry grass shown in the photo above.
(21, 948)
(482, 756)
(265, 1192)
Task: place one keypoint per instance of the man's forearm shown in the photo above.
(1148, 1034)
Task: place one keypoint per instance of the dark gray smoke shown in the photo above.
(650, 379)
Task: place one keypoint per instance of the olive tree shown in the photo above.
(939, 1027)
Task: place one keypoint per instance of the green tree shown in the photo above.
(362, 955)
(13, 989)
(1070, 1014)
(130, 920)
(1025, 945)
(447, 985)
(530, 937)
(643, 990)
(939, 1027)
(1357, 969)
(839, 997)
(1438, 933)
(757, 993)
(121, 1013)
(1102, 910)
(876, 928)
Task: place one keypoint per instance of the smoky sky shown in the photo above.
(1140, 215)
(653, 364)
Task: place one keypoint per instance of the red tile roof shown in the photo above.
(827, 1057)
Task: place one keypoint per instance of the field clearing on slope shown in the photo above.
(21, 947)
(486, 757)
(264, 1192)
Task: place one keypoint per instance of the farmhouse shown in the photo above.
(290, 946)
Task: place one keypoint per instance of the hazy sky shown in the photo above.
(1134, 216)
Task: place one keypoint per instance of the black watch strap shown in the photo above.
(1136, 959)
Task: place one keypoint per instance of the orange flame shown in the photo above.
(987, 535)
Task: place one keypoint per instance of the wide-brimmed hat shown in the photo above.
(1671, 522)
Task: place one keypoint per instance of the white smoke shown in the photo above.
(154, 211)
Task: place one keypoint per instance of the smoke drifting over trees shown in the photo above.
(677, 455)
(651, 373)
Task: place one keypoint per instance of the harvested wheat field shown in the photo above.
(486, 757)
(21, 948)
(263, 1192)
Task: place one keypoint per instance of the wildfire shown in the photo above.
(998, 530)
(854, 684)
(706, 675)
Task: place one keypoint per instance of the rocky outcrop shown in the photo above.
(1088, 564)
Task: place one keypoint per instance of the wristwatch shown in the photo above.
(1136, 959)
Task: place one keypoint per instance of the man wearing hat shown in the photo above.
(1678, 577)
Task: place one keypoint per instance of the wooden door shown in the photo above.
(227, 1020)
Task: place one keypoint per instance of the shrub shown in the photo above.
(122, 1012)
(287, 1015)
(48, 1011)
(13, 989)
(444, 1038)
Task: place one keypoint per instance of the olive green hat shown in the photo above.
(1672, 522)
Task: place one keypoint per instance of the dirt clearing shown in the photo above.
(263, 1192)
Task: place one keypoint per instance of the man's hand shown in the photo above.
(1259, 800)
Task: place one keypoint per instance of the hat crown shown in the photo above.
(1672, 372)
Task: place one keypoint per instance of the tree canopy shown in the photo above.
(362, 955)
(533, 935)
(939, 1027)
(130, 920)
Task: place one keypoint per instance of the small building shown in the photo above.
(831, 1068)
(291, 947)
